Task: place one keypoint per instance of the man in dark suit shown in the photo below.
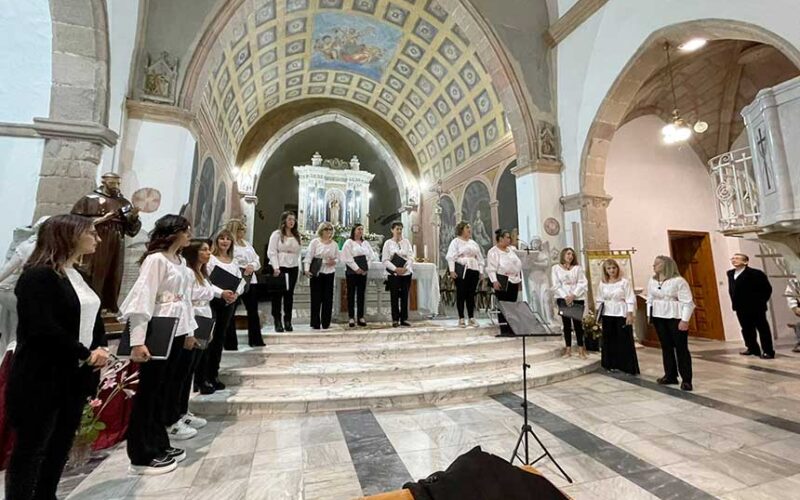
(750, 291)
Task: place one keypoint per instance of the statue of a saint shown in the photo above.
(333, 206)
(536, 264)
(120, 218)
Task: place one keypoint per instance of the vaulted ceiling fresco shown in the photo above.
(406, 60)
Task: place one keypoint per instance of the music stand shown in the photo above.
(523, 323)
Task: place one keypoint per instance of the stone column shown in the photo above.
(538, 198)
(249, 202)
(594, 217)
(495, 216)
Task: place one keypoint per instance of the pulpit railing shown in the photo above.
(735, 190)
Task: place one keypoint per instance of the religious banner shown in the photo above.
(594, 267)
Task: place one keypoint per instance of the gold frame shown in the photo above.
(595, 258)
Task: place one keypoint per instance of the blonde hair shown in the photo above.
(610, 262)
(670, 269)
(324, 226)
(234, 226)
(216, 250)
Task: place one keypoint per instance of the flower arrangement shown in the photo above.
(591, 325)
(116, 378)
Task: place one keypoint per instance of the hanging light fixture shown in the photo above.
(677, 130)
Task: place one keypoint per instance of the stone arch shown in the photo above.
(75, 129)
(593, 200)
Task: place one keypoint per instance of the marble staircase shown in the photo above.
(380, 367)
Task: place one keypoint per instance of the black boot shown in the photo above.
(207, 388)
(278, 326)
(288, 326)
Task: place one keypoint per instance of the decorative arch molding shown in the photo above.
(646, 61)
(403, 176)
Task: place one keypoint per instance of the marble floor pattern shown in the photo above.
(737, 437)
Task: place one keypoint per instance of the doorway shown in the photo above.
(692, 252)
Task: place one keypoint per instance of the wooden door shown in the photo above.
(692, 253)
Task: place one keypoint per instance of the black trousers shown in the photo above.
(147, 429)
(674, 349)
(507, 295)
(181, 385)
(398, 296)
(356, 291)
(250, 301)
(285, 296)
(207, 369)
(465, 293)
(322, 300)
(569, 324)
(42, 448)
(619, 350)
(750, 321)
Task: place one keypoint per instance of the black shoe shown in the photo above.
(666, 381)
(288, 327)
(315, 328)
(765, 355)
(207, 388)
(405, 323)
(351, 323)
(176, 454)
(278, 327)
(748, 352)
(160, 465)
(218, 385)
(361, 322)
(395, 324)
(686, 386)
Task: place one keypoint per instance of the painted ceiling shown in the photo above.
(406, 60)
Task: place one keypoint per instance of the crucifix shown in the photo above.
(761, 143)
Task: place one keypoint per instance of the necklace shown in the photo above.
(660, 283)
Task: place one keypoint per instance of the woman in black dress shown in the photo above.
(61, 343)
(615, 305)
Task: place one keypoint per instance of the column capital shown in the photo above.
(582, 200)
(541, 166)
(250, 198)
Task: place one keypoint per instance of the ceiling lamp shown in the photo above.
(676, 131)
(692, 45)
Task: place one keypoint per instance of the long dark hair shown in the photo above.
(192, 256)
(57, 240)
(165, 233)
(215, 248)
(353, 231)
(282, 228)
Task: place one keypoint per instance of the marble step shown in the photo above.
(339, 334)
(394, 350)
(391, 394)
(304, 375)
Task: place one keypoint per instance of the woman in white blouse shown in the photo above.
(163, 289)
(465, 252)
(569, 288)
(61, 343)
(322, 247)
(615, 305)
(249, 262)
(502, 261)
(670, 307)
(283, 252)
(399, 278)
(356, 246)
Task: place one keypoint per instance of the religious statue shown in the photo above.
(119, 218)
(333, 206)
(536, 264)
(479, 233)
(160, 78)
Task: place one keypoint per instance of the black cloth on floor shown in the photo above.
(477, 475)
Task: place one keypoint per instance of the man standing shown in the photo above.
(750, 291)
(119, 218)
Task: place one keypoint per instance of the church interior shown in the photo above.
(648, 134)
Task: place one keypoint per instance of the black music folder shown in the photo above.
(205, 330)
(503, 280)
(361, 262)
(315, 266)
(398, 261)
(160, 332)
(461, 270)
(575, 311)
(224, 279)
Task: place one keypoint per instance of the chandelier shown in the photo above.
(677, 130)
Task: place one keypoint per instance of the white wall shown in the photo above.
(157, 155)
(656, 188)
(123, 19)
(591, 58)
(26, 47)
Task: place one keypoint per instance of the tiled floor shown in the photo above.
(736, 437)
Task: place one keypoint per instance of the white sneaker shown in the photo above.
(473, 322)
(180, 431)
(461, 323)
(194, 421)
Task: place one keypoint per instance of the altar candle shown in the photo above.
(415, 251)
(425, 251)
